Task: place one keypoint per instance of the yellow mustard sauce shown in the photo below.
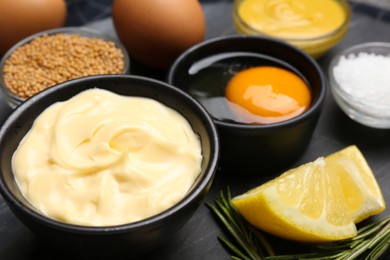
(300, 22)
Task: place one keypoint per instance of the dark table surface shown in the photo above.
(198, 238)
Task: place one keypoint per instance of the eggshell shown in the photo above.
(155, 32)
(22, 18)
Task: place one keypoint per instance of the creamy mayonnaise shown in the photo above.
(102, 159)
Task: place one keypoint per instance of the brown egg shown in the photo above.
(155, 32)
(22, 18)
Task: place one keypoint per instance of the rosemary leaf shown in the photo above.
(371, 228)
(380, 235)
(357, 251)
(233, 248)
(236, 258)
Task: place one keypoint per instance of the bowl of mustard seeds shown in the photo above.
(54, 56)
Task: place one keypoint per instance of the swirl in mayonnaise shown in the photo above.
(101, 159)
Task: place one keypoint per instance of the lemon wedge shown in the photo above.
(319, 201)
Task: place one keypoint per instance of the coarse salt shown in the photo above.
(365, 76)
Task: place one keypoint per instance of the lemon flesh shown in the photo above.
(319, 201)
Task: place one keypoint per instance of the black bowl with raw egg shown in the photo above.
(264, 95)
(124, 240)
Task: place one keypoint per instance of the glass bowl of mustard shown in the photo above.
(313, 26)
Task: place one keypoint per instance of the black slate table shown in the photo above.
(198, 238)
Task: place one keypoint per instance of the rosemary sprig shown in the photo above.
(371, 242)
(249, 243)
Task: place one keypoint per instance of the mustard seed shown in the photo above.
(52, 59)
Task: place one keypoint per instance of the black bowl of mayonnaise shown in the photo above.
(107, 166)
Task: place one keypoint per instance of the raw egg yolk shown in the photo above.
(268, 94)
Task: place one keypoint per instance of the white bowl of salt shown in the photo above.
(360, 83)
